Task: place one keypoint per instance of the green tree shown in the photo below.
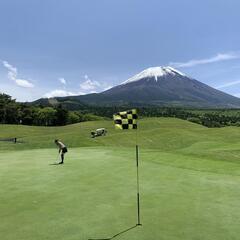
(8, 109)
(73, 118)
(45, 116)
(61, 116)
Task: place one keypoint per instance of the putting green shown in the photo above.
(190, 184)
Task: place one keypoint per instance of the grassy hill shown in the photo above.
(190, 178)
(160, 133)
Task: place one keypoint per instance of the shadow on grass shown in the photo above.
(116, 235)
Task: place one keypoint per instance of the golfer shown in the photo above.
(62, 149)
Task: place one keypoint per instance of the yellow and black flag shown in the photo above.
(126, 119)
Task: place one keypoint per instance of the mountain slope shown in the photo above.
(159, 86)
(167, 86)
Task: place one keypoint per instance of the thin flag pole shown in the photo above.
(130, 119)
(138, 191)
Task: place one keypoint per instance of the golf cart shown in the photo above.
(98, 132)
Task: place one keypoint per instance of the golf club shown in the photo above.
(57, 159)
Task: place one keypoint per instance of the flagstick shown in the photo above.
(138, 195)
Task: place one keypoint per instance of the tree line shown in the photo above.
(12, 112)
(206, 117)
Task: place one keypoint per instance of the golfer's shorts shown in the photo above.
(64, 150)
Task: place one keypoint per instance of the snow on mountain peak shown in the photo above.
(154, 72)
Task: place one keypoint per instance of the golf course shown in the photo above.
(189, 182)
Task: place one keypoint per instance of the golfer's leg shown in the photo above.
(62, 157)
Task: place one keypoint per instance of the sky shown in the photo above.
(58, 48)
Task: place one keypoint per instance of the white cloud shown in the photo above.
(229, 84)
(89, 85)
(61, 93)
(12, 71)
(12, 75)
(218, 58)
(86, 87)
(63, 81)
(24, 83)
(18, 94)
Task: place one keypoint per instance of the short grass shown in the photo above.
(190, 182)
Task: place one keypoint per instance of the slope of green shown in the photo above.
(190, 182)
(160, 133)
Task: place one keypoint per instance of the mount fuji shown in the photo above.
(160, 86)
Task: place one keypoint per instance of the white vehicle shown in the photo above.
(99, 132)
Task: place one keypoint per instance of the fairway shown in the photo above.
(189, 182)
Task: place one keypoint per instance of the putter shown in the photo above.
(57, 160)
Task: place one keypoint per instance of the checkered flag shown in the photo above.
(126, 119)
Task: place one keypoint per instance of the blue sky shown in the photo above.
(59, 47)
